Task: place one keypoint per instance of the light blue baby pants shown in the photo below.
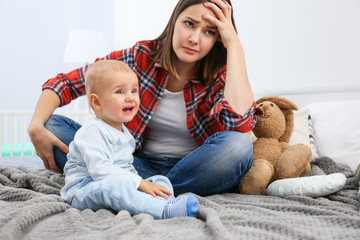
(119, 193)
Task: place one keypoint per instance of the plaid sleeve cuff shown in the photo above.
(67, 86)
(230, 120)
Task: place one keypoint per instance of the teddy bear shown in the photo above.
(273, 158)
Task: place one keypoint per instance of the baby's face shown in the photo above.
(119, 97)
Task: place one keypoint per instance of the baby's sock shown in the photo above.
(181, 206)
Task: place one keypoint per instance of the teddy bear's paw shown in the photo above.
(294, 162)
(257, 179)
(306, 170)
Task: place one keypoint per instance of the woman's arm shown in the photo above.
(237, 87)
(42, 139)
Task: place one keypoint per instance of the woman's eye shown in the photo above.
(189, 24)
(209, 32)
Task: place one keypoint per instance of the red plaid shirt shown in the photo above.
(207, 109)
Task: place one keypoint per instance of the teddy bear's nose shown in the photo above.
(265, 107)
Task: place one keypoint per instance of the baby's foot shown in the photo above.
(181, 206)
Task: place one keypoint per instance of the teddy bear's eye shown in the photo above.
(261, 105)
(271, 104)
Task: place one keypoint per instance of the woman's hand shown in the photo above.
(154, 189)
(42, 139)
(224, 24)
(44, 142)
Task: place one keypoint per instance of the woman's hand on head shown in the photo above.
(223, 22)
(44, 142)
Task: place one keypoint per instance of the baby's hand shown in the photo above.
(154, 189)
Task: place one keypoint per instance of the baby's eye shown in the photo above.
(189, 24)
(134, 91)
(119, 92)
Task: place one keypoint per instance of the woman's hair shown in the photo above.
(208, 65)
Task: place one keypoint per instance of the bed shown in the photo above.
(31, 208)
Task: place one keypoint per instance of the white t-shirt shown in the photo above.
(167, 133)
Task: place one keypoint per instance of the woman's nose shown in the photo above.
(194, 37)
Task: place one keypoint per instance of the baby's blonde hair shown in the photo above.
(93, 76)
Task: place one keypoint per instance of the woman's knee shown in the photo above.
(239, 156)
(62, 127)
(239, 153)
(58, 122)
(235, 144)
(232, 152)
(54, 122)
(239, 144)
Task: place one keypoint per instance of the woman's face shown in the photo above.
(193, 37)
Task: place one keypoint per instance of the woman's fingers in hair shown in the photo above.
(221, 10)
(219, 13)
(220, 7)
(223, 21)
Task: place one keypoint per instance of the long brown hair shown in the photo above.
(207, 66)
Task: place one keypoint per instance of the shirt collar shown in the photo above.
(193, 76)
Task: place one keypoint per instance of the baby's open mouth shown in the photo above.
(128, 109)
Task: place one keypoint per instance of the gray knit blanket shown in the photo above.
(31, 208)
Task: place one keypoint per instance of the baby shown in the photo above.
(99, 172)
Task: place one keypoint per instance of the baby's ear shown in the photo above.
(94, 101)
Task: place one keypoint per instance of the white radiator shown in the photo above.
(14, 139)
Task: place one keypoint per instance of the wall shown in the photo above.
(301, 46)
(33, 39)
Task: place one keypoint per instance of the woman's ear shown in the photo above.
(94, 101)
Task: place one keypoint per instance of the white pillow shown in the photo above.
(303, 131)
(314, 186)
(336, 129)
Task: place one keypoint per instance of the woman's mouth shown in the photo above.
(190, 50)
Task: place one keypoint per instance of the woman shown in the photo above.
(196, 103)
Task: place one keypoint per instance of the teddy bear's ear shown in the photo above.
(287, 108)
(289, 120)
(279, 101)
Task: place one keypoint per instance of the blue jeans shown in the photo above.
(215, 167)
(63, 128)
